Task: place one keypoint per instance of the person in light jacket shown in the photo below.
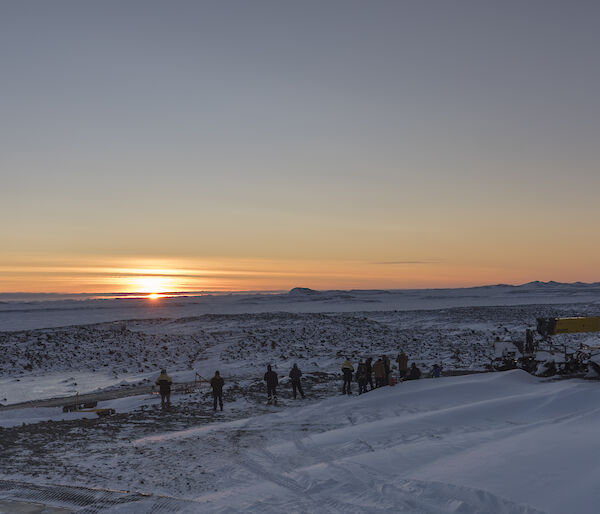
(164, 383)
(402, 361)
(379, 372)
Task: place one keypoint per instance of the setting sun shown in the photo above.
(153, 285)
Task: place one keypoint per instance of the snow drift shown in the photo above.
(497, 442)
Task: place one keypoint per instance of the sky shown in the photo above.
(224, 145)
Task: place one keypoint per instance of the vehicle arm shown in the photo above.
(553, 326)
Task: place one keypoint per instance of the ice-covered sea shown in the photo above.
(485, 442)
(17, 314)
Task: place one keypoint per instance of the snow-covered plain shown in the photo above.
(486, 442)
(21, 315)
(495, 442)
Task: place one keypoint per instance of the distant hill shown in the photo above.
(302, 291)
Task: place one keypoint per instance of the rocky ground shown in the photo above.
(99, 451)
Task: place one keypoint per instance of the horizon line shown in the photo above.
(275, 291)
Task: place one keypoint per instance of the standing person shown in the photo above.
(436, 371)
(369, 366)
(272, 382)
(361, 377)
(388, 369)
(379, 372)
(529, 348)
(347, 370)
(414, 373)
(217, 383)
(295, 375)
(402, 361)
(164, 383)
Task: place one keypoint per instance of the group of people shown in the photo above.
(381, 371)
(272, 381)
(366, 371)
(217, 382)
(164, 383)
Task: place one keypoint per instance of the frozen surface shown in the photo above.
(19, 315)
(58, 362)
(495, 442)
(486, 442)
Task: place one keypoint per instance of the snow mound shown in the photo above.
(494, 442)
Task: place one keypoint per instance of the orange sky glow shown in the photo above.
(384, 146)
(147, 276)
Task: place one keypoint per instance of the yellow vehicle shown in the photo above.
(553, 326)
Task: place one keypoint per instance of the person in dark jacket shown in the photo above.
(369, 370)
(414, 373)
(217, 383)
(347, 371)
(272, 382)
(295, 375)
(164, 383)
(361, 377)
(387, 365)
(436, 371)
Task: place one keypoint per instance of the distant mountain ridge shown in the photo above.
(302, 293)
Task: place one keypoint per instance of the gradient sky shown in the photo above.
(270, 144)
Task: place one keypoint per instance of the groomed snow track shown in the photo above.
(86, 500)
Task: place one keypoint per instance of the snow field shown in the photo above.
(45, 363)
(484, 443)
(498, 442)
(18, 312)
